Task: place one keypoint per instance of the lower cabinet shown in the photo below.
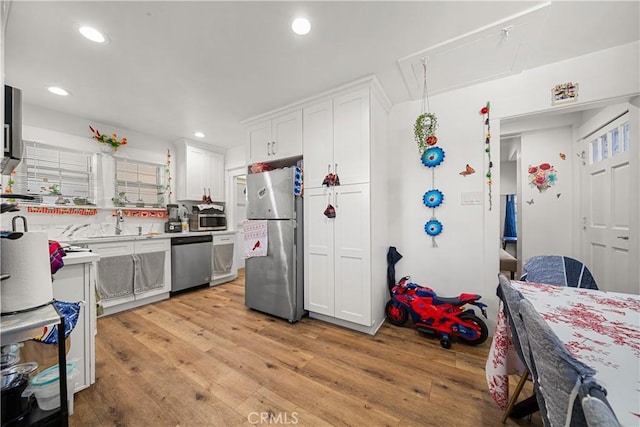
(338, 277)
(133, 273)
(224, 269)
(74, 283)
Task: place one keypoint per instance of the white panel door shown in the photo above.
(609, 194)
(259, 136)
(353, 260)
(351, 136)
(317, 143)
(286, 136)
(318, 252)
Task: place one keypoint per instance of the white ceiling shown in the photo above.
(172, 68)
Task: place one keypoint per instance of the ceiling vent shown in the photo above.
(491, 52)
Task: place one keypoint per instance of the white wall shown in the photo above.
(63, 130)
(467, 257)
(508, 178)
(547, 223)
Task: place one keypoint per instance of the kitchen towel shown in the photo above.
(26, 259)
(255, 238)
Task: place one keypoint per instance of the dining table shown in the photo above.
(599, 328)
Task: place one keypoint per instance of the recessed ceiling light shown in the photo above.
(301, 26)
(92, 34)
(199, 134)
(58, 91)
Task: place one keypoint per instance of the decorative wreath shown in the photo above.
(433, 198)
(432, 157)
(425, 131)
(433, 227)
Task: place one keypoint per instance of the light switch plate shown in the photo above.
(471, 198)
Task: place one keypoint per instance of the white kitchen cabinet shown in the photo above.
(275, 138)
(337, 139)
(337, 253)
(198, 170)
(75, 282)
(223, 253)
(131, 262)
(345, 256)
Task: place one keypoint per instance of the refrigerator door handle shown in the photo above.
(268, 146)
(273, 148)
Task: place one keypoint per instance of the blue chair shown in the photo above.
(558, 270)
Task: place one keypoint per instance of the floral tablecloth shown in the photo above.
(601, 329)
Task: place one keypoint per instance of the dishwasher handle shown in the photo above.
(188, 240)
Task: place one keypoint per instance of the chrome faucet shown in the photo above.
(119, 219)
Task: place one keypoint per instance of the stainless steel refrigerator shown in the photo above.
(274, 283)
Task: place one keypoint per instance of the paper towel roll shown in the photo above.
(27, 261)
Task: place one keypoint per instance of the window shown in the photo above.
(140, 183)
(56, 175)
(613, 140)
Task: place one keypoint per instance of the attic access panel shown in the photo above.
(491, 52)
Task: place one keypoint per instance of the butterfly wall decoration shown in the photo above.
(467, 171)
(530, 202)
(563, 156)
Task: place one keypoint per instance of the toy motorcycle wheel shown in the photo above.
(479, 325)
(445, 343)
(397, 315)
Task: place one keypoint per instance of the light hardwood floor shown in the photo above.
(204, 359)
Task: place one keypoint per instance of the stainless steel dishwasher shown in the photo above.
(190, 262)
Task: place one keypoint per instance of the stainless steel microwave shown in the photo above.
(207, 222)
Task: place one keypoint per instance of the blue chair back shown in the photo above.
(558, 270)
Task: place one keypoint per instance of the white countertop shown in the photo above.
(106, 239)
(79, 257)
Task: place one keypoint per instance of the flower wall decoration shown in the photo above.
(111, 141)
(543, 176)
(433, 198)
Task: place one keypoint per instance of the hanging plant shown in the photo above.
(424, 131)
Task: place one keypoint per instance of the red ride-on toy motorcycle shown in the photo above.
(430, 313)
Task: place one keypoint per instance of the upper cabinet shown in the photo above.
(198, 172)
(337, 139)
(274, 138)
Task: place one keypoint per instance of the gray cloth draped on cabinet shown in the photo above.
(123, 275)
(558, 270)
(558, 375)
(115, 276)
(149, 271)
